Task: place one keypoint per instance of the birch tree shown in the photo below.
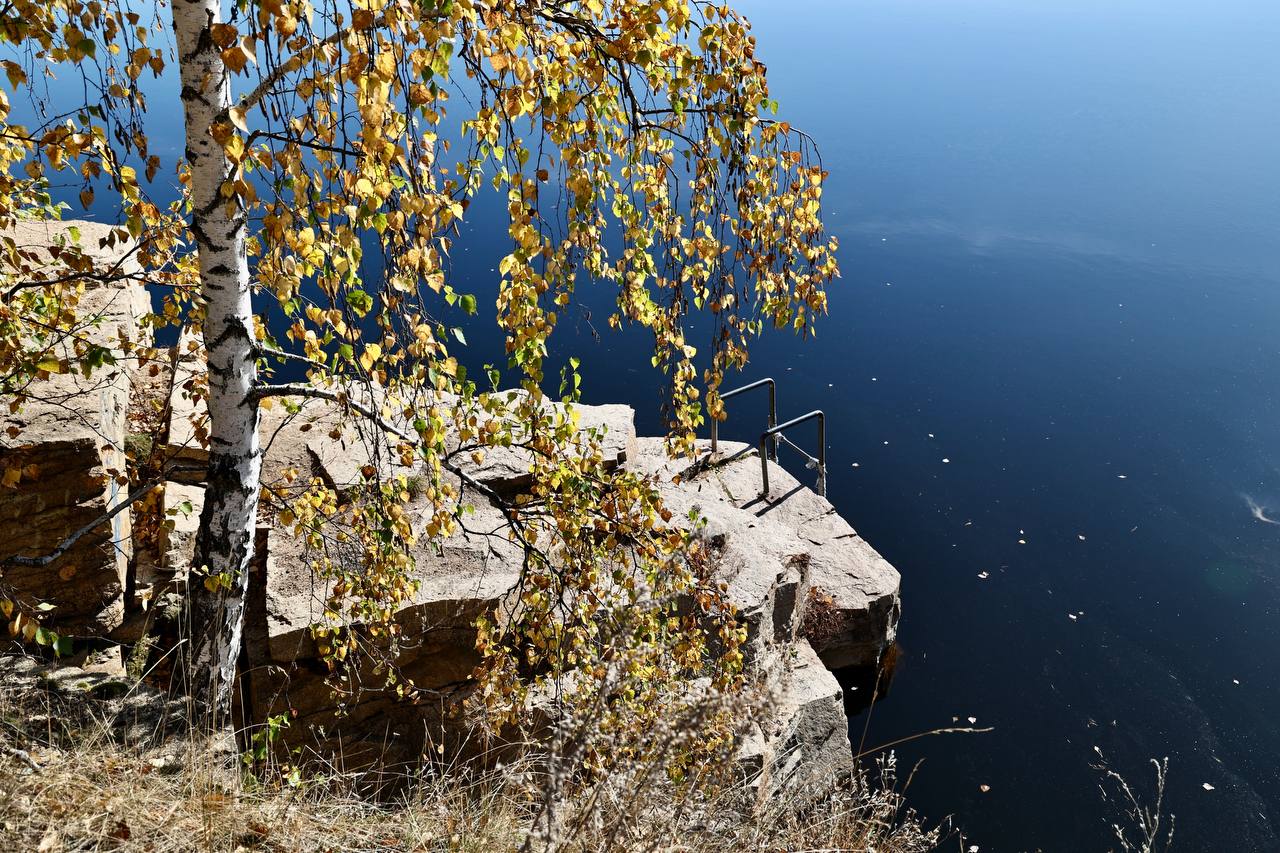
(224, 545)
(632, 142)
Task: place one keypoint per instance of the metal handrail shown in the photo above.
(771, 435)
(773, 413)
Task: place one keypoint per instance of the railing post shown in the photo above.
(774, 433)
(764, 464)
(822, 455)
(773, 413)
(773, 419)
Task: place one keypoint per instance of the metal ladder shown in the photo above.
(771, 437)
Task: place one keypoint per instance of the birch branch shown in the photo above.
(70, 541)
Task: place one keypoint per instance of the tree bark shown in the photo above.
(224, 545)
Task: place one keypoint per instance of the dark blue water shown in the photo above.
(1061, 267)
(1060, 228)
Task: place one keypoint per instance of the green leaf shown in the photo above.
(468, 303)
(360, 302)
(440, 62)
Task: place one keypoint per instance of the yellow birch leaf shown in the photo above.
(237, 116)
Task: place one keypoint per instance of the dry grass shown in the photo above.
(68, 782)
(1141, 825)
(119, 800)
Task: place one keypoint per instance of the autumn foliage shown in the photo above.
(633, 142)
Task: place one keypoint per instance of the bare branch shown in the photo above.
(272, 352)
(299, 389)
(66, 544)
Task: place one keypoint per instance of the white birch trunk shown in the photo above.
(224, 544)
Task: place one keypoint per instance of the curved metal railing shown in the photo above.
(773, 433)
(773, 412)
(772, 436)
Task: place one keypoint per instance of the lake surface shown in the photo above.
(1054, 357)
(1060, 225)
(1050, 375)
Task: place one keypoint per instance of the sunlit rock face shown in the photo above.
(68, 442)
(814, 596)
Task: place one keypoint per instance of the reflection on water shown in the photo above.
(1258, 511)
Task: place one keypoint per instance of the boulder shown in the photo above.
(68, 441)
(793, 565)
(182, 504)
(851, 595)
(802, 747)
(304, 438)
(468, 575)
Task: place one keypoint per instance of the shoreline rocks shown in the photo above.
(814, 595)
